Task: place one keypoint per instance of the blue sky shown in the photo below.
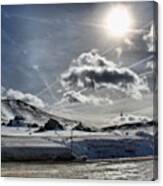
(39, 42)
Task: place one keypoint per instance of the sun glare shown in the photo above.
(119, 21)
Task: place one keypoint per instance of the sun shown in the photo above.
(119, 21)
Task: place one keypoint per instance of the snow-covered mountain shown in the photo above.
(12, 107)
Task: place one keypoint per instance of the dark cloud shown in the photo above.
(101, 76)
(90, 70)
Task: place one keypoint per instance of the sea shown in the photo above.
(104, 170)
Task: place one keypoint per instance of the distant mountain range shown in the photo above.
(31, 114)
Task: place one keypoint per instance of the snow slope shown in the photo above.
(11, 108)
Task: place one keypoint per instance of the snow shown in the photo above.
(92, 145)
(24, 143)
(125, 118)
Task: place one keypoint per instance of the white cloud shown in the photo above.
(90, 70)
(92, 58)
(26, 97)
(73, 96)
(119, 51)
(3, 91)
(129, 43)
(150, 65)
(149, 38)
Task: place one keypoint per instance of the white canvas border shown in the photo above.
(62, 182)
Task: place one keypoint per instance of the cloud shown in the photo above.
(92, 58)
(150, 65)
(28, 98)
(78, 97)
(149, 38)
(86, 75)
(129, 43)
(119, 52)
(3, 91)
(90, 70)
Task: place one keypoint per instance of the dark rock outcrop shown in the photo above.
(41, 129)
(33, 125)
(53, 124)
(3, 124)
(19, 117)
(18, 121)
(81, 127)
(130, 126)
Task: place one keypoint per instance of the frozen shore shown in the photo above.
(50, 145)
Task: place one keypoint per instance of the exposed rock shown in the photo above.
(19, 117)
(130, 126)
(18, 121)
(53, 124)
(3, 124)
(81, 127)
(41, 129)
(33, 125)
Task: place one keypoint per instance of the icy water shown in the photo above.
(118, 170)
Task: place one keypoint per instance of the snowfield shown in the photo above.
(29, 133)
(22, 144)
